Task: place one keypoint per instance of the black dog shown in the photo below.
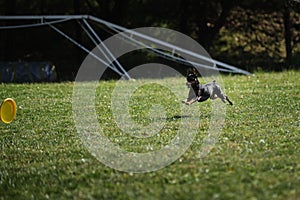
(200, 92)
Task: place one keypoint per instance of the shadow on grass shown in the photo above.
(176, 117)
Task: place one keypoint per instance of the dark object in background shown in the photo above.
(27, 72)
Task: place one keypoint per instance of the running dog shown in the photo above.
(200, 92)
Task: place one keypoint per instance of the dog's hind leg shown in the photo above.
(218, 92)
(225, 98)
(229, 100)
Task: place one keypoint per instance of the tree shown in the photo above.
(287, 34)
(260, 33)
(209, 25)
(253, 32)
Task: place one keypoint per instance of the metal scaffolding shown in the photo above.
(131, 36)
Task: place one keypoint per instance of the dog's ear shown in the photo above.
(192, 71)
(195, 71)
(189, 71)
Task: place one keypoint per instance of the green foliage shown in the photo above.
(256, 156)
(249, 34)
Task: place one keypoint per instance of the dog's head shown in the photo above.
(191, 77)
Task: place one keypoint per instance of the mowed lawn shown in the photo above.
(257, 155)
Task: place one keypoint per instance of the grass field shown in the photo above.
(257, 155)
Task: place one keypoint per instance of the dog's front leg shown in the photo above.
(192, 101)
(191, 96)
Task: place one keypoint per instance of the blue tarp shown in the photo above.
(27, 72)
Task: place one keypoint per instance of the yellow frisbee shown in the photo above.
(8, 110)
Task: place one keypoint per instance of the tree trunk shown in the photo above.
(287, 36)
(208, 34)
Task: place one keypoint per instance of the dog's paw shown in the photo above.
(188, 103)
(185, 102)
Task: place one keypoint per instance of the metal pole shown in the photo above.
(119, 29)
(172, 47)
(94, 41)
(106, 49)
(83, 48)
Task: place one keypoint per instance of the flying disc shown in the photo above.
(8, 110)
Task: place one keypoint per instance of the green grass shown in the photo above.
(257, 155)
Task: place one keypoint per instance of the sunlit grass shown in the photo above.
(256, 156)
